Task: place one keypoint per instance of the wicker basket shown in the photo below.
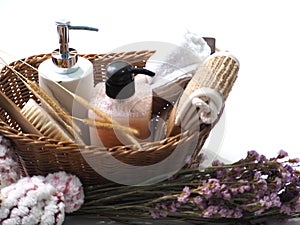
(39, 155)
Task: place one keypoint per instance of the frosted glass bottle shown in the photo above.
(124, 99)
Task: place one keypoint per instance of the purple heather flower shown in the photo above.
(278, 182)
(253, 154)
(174, 206)
(241, 189)
(287, 177)
(226, 195)
(163, 206)
(270, 201)
(200, 202)
(221, 174)
(207, 193)
(224, 212)
(229, 213)
(210, 211)
(276, 202)
(263, 185)
(207, 213)
(258, 212)
(286, 209)
(237, 169)
(282, 154)
(259, 193)
(223, 187)
(238, 213)
(289, 168)
(186, 189)
(262, 158)
(154, 214)
(257, 176)
(297, 206)
(214, 185)
(184, 195)
(217, 163)
(163, 214)
(234, 191)
(213, 181)
(245, 187)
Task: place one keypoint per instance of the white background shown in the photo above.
(262, 110)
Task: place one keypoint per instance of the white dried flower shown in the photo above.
(71, 188)
(30, 201)
(9, 168)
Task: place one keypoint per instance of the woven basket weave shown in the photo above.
(39, 155)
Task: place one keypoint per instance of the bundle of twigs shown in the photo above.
(254, 187)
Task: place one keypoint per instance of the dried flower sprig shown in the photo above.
(254, 187)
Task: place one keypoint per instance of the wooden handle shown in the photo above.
(10, 107)
(218, 72)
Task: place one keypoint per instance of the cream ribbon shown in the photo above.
(203, 106)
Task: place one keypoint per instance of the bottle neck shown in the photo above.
(65, 64)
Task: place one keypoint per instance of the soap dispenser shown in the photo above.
(72, 72)
(125, 100)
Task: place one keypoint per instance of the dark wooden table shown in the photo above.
(76, 220)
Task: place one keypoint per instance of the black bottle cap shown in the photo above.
(120, 79)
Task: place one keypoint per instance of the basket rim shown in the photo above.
(11, 133)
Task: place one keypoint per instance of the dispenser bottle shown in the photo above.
(73, 72)
(126, 100)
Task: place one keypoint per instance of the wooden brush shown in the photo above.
(42, 121)
(15, 113)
